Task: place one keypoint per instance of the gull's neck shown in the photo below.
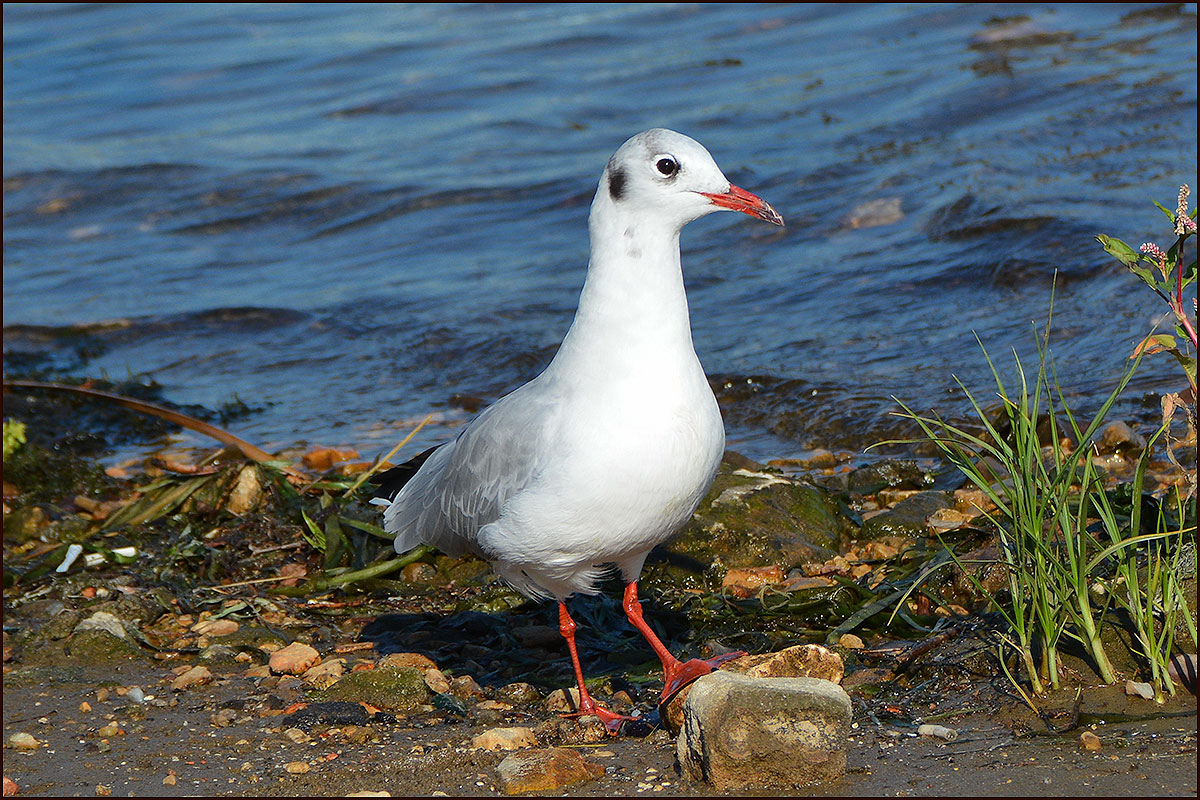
(633, 311)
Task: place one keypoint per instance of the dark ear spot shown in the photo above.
(616, 183)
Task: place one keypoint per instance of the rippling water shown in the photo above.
(354, 215)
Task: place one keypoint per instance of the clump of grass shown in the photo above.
(1060, 532)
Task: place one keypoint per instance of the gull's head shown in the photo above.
(667, 175)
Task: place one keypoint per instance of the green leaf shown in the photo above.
(1119, 250)
(1170, 214)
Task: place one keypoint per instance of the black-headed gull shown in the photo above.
(609, 451)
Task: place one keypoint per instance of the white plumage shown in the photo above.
(608, 451)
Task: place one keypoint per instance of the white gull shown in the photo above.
(607, 452)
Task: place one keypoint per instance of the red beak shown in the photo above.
(740, 200)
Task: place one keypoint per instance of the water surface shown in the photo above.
(350, 216)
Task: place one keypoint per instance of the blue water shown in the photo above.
(352, 216)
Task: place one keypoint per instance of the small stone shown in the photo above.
(325, 674)
(1139, 689)
(246, 491)
(110, 730)
(520, 693)
(504, 739)
(1089, 741)
(23, 741)
(545, 770)
(465, 687)
(563, 701)
(169, 780)
(223, 718)
(418, 572)
(741, 732)
(746, 581)
(1118, 437)
(10, 787)
(295, 659)
(851, 642)
(85, 707)
(296, 735)
(102, 621)
(103, 791)
(136, 694)
(437, 682)
(215, 628)
(258, 671)
(297, 767)
(195, 676)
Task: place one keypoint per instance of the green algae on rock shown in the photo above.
(396, 689)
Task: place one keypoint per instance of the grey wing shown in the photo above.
(464, 484)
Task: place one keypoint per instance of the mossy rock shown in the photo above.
(463, 569)
(396, 689)
(752, 517)
(907, 520)
(98, 647)
(24, 524)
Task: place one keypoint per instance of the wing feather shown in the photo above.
(464, 484)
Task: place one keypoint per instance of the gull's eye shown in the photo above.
(667, 166)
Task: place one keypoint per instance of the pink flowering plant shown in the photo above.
(1168, 274)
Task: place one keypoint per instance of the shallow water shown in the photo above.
(351, 216)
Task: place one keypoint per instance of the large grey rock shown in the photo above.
(740, 732)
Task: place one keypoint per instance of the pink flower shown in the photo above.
(1155, 252)
(1184, 224)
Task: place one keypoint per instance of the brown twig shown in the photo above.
(200, 426)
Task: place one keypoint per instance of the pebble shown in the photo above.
(136, 694)
(109, 730)
(297, 767)
(102, 621)
(545, 770)
(223, 718)
(325, 674)
(296, 735)
(520, 693)
(103, 791)
(851, 642)
(1089, 741)
(194, 676)
(295, 659)
(743, 582)
(938, 732)
(437, 681)
(504, 739)
(169, 780)
(23, 741)
(465, 687)
(10, 787)
(562, 701)
(85, 707)
(1139, 689)
(215, 627)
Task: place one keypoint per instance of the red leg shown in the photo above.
(612, 721)
(676, 673)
